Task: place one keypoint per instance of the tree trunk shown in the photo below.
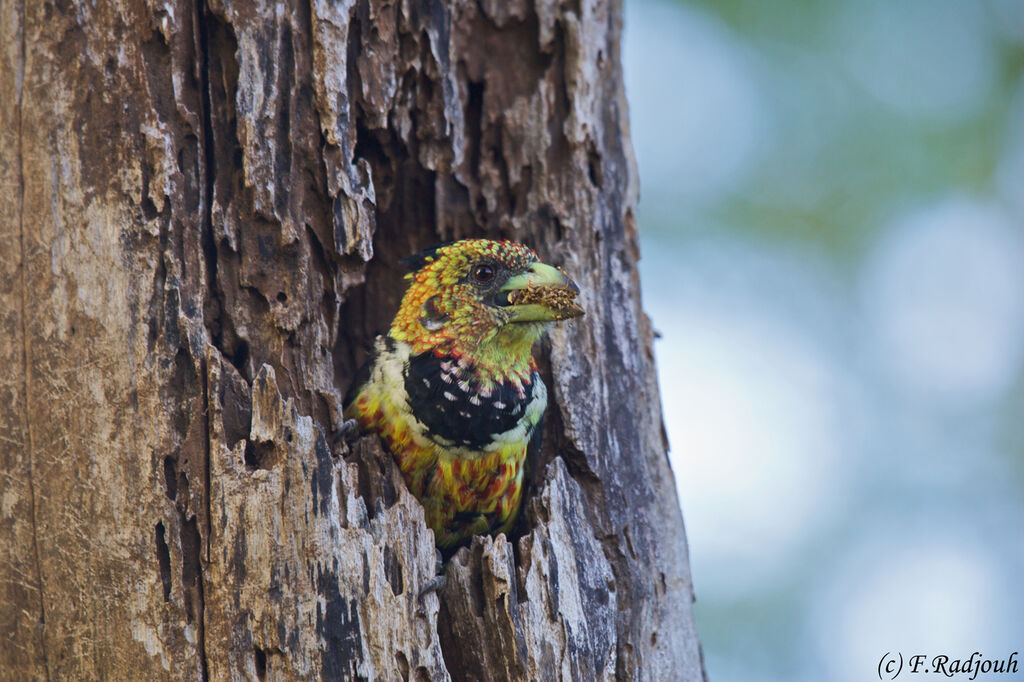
(202, 205)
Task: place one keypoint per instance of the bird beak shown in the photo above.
(541, 294)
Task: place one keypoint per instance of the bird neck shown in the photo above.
(508, 354)
(505, 355)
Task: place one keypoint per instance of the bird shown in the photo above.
(453, 389)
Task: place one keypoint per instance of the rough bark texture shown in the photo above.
(202, 205)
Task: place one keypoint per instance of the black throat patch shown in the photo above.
(446, 398)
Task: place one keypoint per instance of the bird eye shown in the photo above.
(483, 273)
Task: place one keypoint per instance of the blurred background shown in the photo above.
(832, 221)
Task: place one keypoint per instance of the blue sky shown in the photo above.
(832, 219)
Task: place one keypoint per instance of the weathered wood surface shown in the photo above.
(201, 205)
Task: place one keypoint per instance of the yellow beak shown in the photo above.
(550, 295)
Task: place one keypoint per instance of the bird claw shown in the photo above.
(435, 584)
(348, 433)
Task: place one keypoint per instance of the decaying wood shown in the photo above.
(202, 205)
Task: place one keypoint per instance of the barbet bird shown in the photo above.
(453, 389)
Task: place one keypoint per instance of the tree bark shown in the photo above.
(201, 211)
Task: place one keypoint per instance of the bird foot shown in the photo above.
(435, 584)
(348, 433)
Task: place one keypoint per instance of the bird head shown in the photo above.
(484, 300)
